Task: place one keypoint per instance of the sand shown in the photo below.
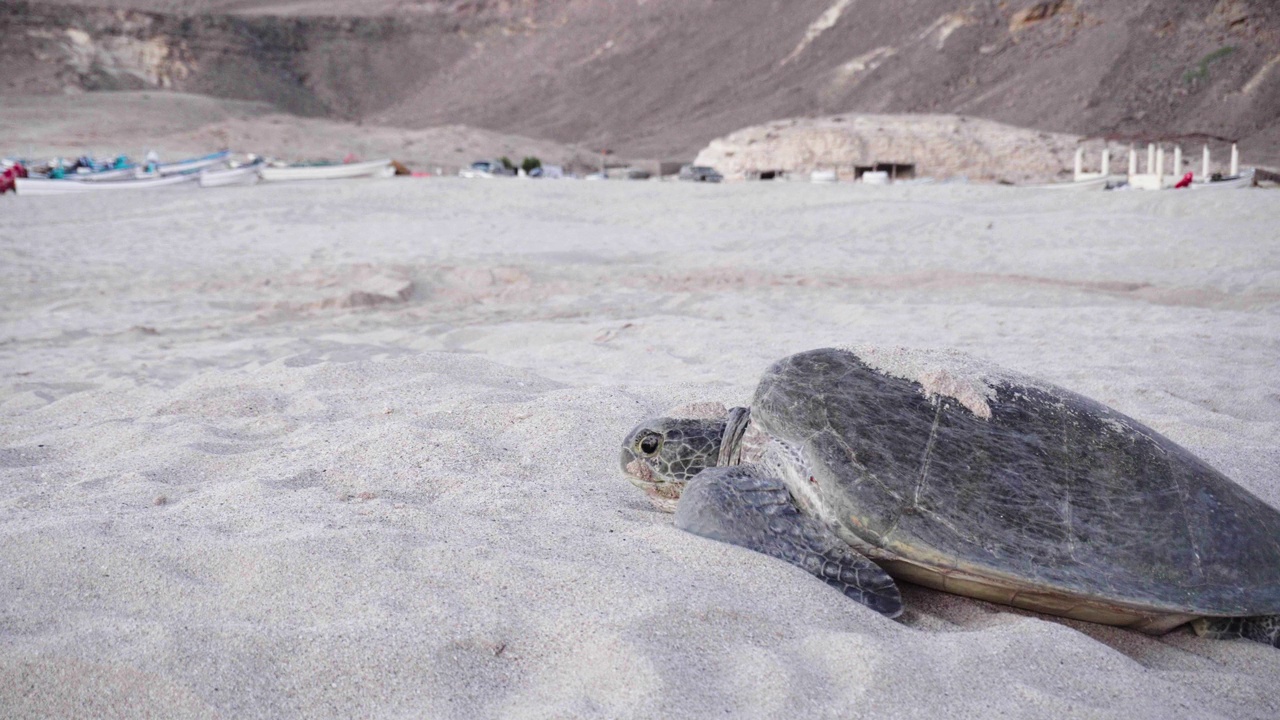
(350, 449)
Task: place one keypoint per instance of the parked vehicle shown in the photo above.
(700, 173)
(486, 168)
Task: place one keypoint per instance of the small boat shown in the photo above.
(192, 164)
(45, 186)
(177, 167)
(1097, 183)
(242, 175)
(1236, 182)
(371, 168)
(124, 173)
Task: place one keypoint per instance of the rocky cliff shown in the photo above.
(661, 78)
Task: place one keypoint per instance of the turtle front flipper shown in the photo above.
(1260, 628)
(743, 506)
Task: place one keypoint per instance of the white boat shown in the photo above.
(1097, 183)
(177, 167)
(193, 164)
(1242, 180)
(243, 175)
(371, 168)
(45, 186)
(107, 175)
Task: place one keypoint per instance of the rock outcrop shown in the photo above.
(939, 146)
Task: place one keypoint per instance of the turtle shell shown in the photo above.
(1029, 495)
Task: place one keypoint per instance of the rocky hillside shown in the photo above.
(661, 78)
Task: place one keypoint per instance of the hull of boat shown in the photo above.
(108, 175)
(1098, 183)
(247, 175)
(1235, 183)
(193, 164)
(42, 186)
(372, 168)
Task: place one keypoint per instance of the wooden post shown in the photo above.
(1204, 166)
(1151, 158)
(1079, 162)
(1160, 168)
(1177, 163)
(1106, 162)
(1133, 162)
(1235, 160)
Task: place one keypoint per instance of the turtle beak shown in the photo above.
(637, 470)
(662, 494)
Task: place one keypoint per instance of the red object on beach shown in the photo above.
(9, 178)
(1184, 182)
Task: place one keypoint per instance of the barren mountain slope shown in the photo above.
(660, 78)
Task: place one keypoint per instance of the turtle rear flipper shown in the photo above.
(1260, 628)
(741, 505)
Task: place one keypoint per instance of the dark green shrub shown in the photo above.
(1201, 70)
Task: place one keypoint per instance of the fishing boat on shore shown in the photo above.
(121, 173)
(190, 165)
(223, 177)
(1096, 183)
(177, 167)
(1243, 180)
(370, 168)
(68, 186)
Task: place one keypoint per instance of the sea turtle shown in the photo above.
(865, 466)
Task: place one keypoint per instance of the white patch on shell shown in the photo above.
(942, 373)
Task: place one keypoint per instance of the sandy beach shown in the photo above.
(350, 449)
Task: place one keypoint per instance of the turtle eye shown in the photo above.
(649, 444)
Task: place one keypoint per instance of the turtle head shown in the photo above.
(661, 455)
